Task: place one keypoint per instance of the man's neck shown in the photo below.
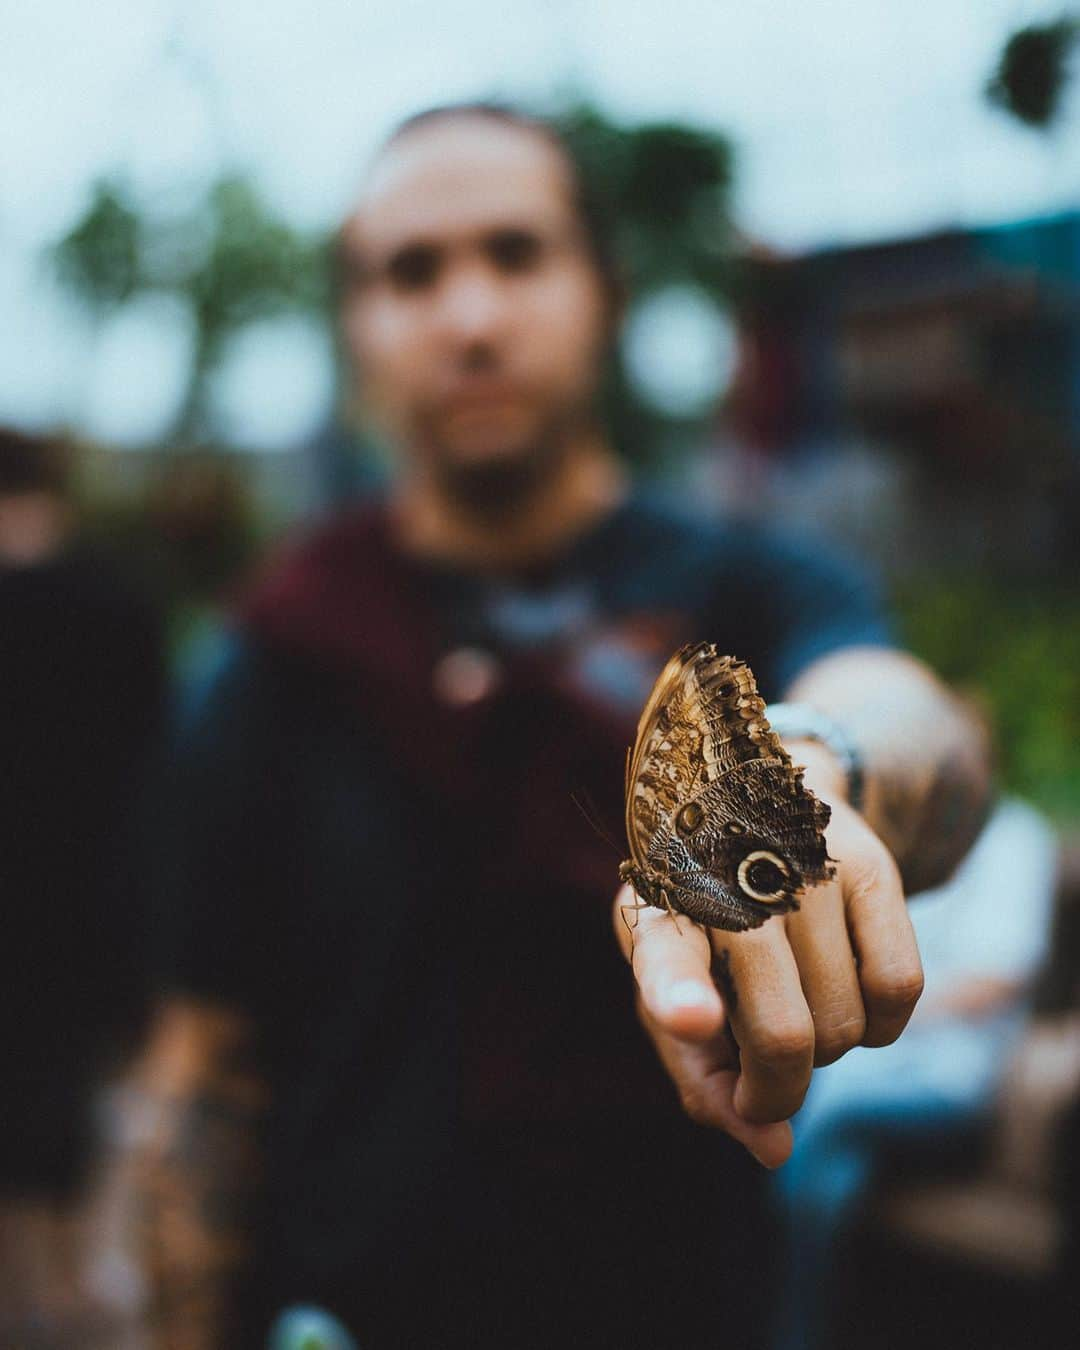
(588, 484)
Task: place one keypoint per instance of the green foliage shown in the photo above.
(1031, 76)
(663, 190)
(1017, 648)
(98, 260)
(662, 187)
(227, 256)
(255, 268)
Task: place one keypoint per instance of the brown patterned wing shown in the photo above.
(719, 823)
(665, 747)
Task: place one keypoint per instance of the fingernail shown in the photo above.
(686, 994)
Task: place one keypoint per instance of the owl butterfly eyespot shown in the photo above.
(763, 876)
(719, 823)
(689, 818)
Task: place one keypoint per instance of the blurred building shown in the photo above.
(923, 394)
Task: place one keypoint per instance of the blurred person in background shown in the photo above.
(397, 1073)
(81, 703)
(982, 937)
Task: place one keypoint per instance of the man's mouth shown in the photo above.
(480, 395)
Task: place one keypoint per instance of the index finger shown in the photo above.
(671, 960)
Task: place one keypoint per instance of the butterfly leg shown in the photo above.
(635, 908)
(667, 906)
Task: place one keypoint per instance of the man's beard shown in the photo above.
(499, 486)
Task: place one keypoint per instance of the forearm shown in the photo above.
(926, 758)
(194, 1172)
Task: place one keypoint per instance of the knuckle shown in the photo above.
(692, 1100)
(873, 868)
(834, 1039)
(770, 1109)
(785, 1044)
(896, 990)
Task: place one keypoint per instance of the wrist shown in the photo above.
(822, 771)
(830, 755)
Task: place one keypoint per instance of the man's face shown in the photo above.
(473, 313)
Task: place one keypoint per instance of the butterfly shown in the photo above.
(719, 824)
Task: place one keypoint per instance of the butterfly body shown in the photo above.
(719, 823)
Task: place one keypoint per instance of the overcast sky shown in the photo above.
(852, 120)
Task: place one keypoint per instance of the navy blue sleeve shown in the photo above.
(810, 601)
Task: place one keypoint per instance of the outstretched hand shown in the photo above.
(739, 1020)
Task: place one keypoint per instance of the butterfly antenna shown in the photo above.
(585, 806)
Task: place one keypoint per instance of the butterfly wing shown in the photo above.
(718, 821)
(663, 750)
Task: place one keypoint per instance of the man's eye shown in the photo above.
(514, 250)
(413, 269)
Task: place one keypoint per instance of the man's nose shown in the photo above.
(473, 305)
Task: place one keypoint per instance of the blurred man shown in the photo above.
(400, 1075)
(81, 685)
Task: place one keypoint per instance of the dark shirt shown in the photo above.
(81, 703)
(394, 879)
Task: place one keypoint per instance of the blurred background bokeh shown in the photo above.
(852, 240)
(851, 233)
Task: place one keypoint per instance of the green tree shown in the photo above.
(664, 187)
(1031, 76)
(228, 257)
